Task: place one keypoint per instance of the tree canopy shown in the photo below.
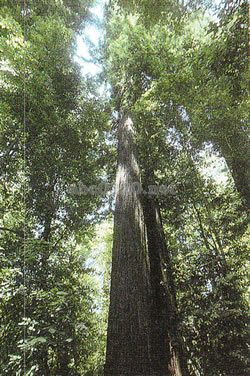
(175, 106)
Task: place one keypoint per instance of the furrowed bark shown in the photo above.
(164, 308)
(134, 348)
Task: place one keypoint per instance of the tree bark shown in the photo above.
(164, 307)
(235, 150)
(135, 347)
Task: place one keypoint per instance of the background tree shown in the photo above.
(59, 146)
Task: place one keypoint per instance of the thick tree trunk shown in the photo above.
(133, 347)
(164, 308)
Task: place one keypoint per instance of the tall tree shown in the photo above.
(166, 354)
(130, 313)
(156, 87)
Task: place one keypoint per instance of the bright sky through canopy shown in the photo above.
(92, 34)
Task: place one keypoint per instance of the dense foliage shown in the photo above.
(181, 73)
(51, 138)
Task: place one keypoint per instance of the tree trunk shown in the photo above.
(133, 348)
(235, 150)
(43, 354)
(164, 308)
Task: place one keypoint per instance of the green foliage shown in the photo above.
(42, 269)
(183, 77)
(185, 88)
(206, 234)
